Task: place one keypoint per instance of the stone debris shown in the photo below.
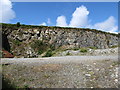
(68, 73)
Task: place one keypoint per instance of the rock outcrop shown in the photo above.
(6, 54)
(21, 38)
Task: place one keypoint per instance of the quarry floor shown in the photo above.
(62, 72)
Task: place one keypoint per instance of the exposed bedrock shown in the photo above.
(19, 40)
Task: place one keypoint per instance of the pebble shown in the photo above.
(87, 75)
(111, 66)
(116, 80)
(97, 69)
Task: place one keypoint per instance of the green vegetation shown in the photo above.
(46, 76)
(52, 47)
(39, 46)
(83, 50)
(6, 84)
(1, 53)
(93, 47)
(17, 42)
(116, 63)
(18, 24)
(40, 52)
(75, 49)
(14, 26)
(26, 86)
(68, 53)
(114, 46)
(11, 26)
(49, 53)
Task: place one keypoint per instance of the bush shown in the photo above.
(93, 47)
(52, 47)
(76, 49)
(18, 24)
(48, 53)
(83, 50)
(40, 52)
(16, 42)
(39, 46)
(68, 53)
(114, 46)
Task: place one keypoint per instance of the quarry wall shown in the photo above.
(18, 40)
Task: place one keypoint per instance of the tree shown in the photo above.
(18, 24)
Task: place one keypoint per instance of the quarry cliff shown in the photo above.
(31, 41)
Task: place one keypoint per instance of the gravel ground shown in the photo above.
(63, 72)
(93, 52)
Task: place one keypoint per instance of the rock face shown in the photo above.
(21, 38)
(6, 54)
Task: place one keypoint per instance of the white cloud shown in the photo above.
(79, 17)
(80, 20)
(6, 12)
(48, 21)
(107, 25)
(61, 21)
(43, 24)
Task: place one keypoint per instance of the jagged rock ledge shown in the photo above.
(31, 41)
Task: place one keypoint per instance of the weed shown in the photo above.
(17, 87)
(116, 63)
(75, 49)
(68, 53)
(93, 47)
(52, 47)
(31, 79)
(46, 76)
(26, 86)
(83, 50)
(16, 42)
(39, 46)
(6, 84)
(114, 46)
(49, 53)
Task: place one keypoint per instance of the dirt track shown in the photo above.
(63, 72)
(64, 59)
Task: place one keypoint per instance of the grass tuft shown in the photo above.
(83, 50)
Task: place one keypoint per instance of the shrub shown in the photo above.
(6, 83)
(93, 47)
(40, 52)
(39, 46)
(114, 46)
(16, 42)
(83, 50)
(26, 86)
(68, 53)
(76, 49)
(48, 53)
(18, 24)
(52, 47)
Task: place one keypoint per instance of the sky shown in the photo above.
(100, 15)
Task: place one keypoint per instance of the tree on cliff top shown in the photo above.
(18, 24)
